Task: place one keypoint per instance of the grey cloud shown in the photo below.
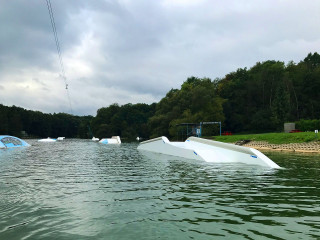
(143, 48)
(39, 82)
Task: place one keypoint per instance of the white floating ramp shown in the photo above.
(47, 140)
(113, 140)
(207, 150)
(7, 141)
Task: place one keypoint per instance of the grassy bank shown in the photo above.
(273, 138)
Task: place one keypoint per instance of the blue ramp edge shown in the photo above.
(105, 141)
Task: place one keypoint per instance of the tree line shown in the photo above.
(262, 98)
(258, 99)
(20, 122)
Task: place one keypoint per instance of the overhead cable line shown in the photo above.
(54, 29)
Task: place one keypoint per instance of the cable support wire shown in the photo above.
(54, 29)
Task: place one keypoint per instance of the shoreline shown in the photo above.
(310, 147)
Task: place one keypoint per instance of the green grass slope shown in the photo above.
(274, 138)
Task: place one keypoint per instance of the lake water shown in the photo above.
(79, 189)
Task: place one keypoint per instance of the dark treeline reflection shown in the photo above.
(259, 99)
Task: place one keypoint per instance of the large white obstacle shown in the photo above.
(207, 150)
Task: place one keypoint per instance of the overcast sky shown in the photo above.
(135, 51)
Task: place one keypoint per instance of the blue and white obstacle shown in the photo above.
(7, 141)
(113, 140)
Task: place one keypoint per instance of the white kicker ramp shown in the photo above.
(207, 150)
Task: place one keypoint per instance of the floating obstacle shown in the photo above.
(47, 140)
(207, 150)
(95, 139)
(7, 141)
(112, 140)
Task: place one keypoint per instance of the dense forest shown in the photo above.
(127, 121)
(20, 122)
(259, 99)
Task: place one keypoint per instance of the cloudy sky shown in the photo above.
(135, 51)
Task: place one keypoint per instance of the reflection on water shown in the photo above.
(80, 189)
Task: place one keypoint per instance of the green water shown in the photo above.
(80, 189)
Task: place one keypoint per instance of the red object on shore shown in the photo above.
(226, 133)
(294, 131)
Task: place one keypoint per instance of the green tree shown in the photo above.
(196, 101)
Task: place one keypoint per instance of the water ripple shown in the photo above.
(80, 189)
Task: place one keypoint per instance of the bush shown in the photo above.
(308, 125)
